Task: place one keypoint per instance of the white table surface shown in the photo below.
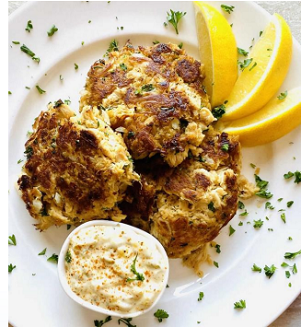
(291, 11)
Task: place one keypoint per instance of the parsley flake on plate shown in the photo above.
(52, 30)
(291, 255)
(41, 91)
(75, 66)
(256, 268)
(126, 321)
(161, 314)
(242, 52)
(12, 240)
(29, 26)
(54, 258)
(241, 205)
(174, 17)
(227, 9)
(43, 252)
(201, 295)
(269, 271)
(240, 304)
(282, 95)
(244, 64)
(289, 204)
(68, 257)
(231, 230)
(258, 223)
(11, 268)
(218, 111)
(99, 323)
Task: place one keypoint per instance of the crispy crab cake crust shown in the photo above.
(77, 170)
(185, 207)
(154, 96)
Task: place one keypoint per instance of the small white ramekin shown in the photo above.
(88, 305)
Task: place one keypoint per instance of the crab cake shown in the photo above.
(154, 96)
(77, 168)
(185, 207)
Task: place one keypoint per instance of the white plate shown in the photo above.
(35, 295)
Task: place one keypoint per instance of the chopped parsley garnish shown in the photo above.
(231, 230)
(297, 175)
(54, 258)
(68, 257)
(225, 147)
(240, 223)
(126, 321)
(269, 206)
(25, 49)
(282, 95)
(291, 255)
(174, 17)
(52, 30)
(289, 204)
(27, 87)
(82, 43)
(75, 66)
(15, 42)
(9, 92)
(12, 240)
(216, 264)
(243, 214)
(29, 26)
(68, 227)
(283, 217)
(180, 45)
(211, 207)
(89, 21)
(252, 165)
(242, 52)
(112, 47)
(256, 268)
(290, 238)
(11, 268)
(156, 42)
(254, 65)
(68, 102)
(287, 274)
(123, 66)
(289, 284)
(227, 9)
(264, 194)
(280, 199)
(218, 248)
(99, 323)
(19, 161)
(61, 77)
(240, 205)
(240, 305)
(161, 314)
(139, 276)
(29, 152)
(43, 252)
(131, 134)
(243, 65)
(269, 271)
(218, 112)
(201, 295)
(147, 87)
(41, 91)
(288, 175)
(260, 183)
(258, 223)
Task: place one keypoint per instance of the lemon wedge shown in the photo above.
(277, 118)
(218, 52)
(264, 71)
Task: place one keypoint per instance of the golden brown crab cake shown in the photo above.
(154, 97)
(77, 168)
(185, 207)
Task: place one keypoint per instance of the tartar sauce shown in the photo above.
(115, 268)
